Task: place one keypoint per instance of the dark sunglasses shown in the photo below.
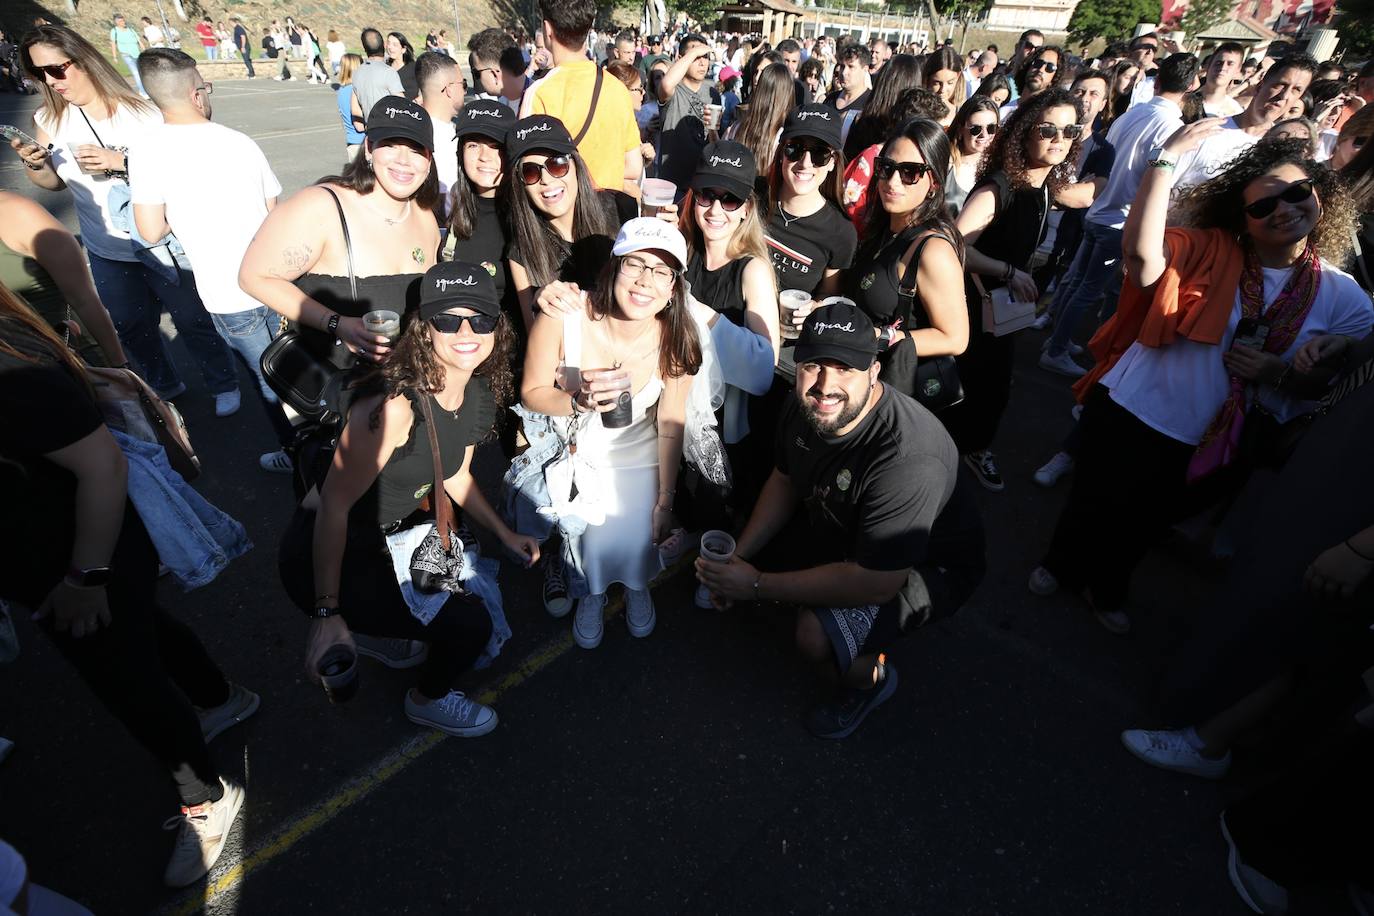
(911, 172)
(707, 196)
(1358, 142)
(449, 323)
(820, 153)
(556, 166)
(1295, 193)
(976, 130)
(1045, 65)
(56, 71)
(1068, 131)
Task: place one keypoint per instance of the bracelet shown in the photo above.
(1351, 548)
(576, 405)
(669, 492)
(1009, 273)
(319, 598)
(756, 586)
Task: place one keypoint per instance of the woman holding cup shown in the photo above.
(637, 331)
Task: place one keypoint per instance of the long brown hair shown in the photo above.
(679, 350)
(15, 311)
(109, 85)
(970, 108)
(832, 190)
(359, 177)
(541, 249)
(930, 138)
(769, 104)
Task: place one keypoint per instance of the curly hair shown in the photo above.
(1219, 203)
(1007, 153)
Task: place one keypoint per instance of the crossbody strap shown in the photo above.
(906, 289)
(443, 511)
(348, 243)
(591, 109)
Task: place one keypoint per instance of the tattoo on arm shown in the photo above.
(293, 262)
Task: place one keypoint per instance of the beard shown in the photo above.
(825, 426)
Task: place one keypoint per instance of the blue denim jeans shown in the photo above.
(135, 296)
(131, 61)
(1096, 270)
(211, 52)
(248, 333)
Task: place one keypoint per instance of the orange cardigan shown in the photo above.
(1193, 298)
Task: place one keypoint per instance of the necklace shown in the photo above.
(616, 346)
(391, 221)
(787, 221)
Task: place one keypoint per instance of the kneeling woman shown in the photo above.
(335, 560)
(634, 341)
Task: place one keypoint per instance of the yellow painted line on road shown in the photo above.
(282, 840)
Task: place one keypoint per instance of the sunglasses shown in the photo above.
(819, 152)
(1045, 65)
(976, 130)
(1068, 131)
(56, 71)
(707, 196)
(911, 172)
(1358, 142)
(449, 323)
(1295, 193)
(495, 70)
(556, 166)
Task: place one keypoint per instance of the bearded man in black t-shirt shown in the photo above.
(890, 539)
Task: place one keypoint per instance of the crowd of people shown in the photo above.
(704, 294)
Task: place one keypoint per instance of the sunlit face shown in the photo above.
(401, 166)
(804, 176)
(899, 198)
(624, 52)
(1294, 110)
(1041, 152)
(1289, 223)
(1223, 68)
(715, 222)
(942, 83)
(488, 73)
(463, 349)
(1039, 77)
(393, 48)
(1124, 79)
(978, 132)
(483, 164)
(1093, 95)
(701, 66)
(75, 86)
(833, 395)
(642, 286)
(1000, 96)
(793, 61)
(637, 94)
(1144, 54)
(1279, 91)
(552, 197)
(852, 72)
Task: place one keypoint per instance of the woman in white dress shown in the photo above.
(637, 322)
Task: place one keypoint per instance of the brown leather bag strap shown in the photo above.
(443, 510)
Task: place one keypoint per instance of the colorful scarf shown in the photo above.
(1219, 445)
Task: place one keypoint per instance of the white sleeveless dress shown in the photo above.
(625, 460)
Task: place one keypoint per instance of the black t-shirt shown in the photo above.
(409, 84)
(876, 493)
(857, 105)
(804, 248)
(581, 261)
(269, 46)
(487, 247)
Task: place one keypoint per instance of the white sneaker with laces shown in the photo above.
(201, 832)
(392, 652)
(454, 714)
(1074, 349)
(639, 612)
(1062, 364)
(242, 703)
(1043, 321)
(277, 462)
(227, 403)
(588, 625)
(1170, 750)
(1055, 468)
(1042, 582)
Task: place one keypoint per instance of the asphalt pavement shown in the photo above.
(669, 774)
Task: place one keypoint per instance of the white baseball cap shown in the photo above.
(645, 232)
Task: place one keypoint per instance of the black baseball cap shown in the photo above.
(455, 284)
(539, 132)
(394, 117)
(839, 331)
(487, 117)
(819, 121)
(655, 40)
(727, 165)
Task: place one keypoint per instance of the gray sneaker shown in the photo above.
(639, 612)
(241, 704)
(454, 714)
(589, 623)
(201, 832)
(394, 653)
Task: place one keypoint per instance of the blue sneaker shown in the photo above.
(840, 719)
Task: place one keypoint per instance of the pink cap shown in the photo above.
(727, 73)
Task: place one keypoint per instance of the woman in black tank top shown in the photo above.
(454, 354)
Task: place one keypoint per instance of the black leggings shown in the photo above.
(371, 602)
(985, 370)
(147, 667)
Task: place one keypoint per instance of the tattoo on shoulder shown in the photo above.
(293, 261)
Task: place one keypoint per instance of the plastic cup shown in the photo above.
(338, 671)
(713, 116)
(384, 322)
(656, 193)
(72, 150)
(789, 302)
(622, 415)
(719, 547)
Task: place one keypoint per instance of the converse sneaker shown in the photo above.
(588, 625)
(1072, 348)
(556, 600)
(1042, 582)
(639, 612)
(1062, 364)
(1049, 473)
(277, 462)
(984, 467)
(1043, 321)
(394, 653)
(1260, 892)
(201, 832)
(1115, 622)
(840, 719)
(1170, 750)
(241, 704)
(454, 714)
(227, 403)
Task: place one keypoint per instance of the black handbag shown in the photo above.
(934, 380)
(312, 385)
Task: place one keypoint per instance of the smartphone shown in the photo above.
(11, 133)
(1252, 333)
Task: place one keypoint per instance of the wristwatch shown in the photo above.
(321, 613)
(887, 335)
(1158, 158)
(332, 326)
(90, 577)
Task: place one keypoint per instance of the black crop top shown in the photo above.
(398, 292)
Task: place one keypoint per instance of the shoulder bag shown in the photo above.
(933, 381)
(131, 406)
(1002, 313)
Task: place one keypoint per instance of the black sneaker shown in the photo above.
(984, 467)
(840, 719)
(556, 600)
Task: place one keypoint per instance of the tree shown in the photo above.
(1201, 15)
(1355, 22)
(1112, 20)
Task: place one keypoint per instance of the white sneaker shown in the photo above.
(1260, 892)
(227, 403)
(1073, 348)
(1115, 622)
(454, 714)
(1042, 582)
(1043, 321)
(1169, 750)
(1062, 364)
(701, 598)
(201, 832)
(277, 462)
(1076, 411)
(392, 652)
(1055, 468)
(639, 612)
(588, 625)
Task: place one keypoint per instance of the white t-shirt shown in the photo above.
(128, 128)
(336, 49)
(153, 35)
(1178, 390)
(194, 169)
(446, 157)
(1212, 156)
(1226, 108)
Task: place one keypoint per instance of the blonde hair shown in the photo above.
(746, 240)
(347, 65)
(109, 85)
